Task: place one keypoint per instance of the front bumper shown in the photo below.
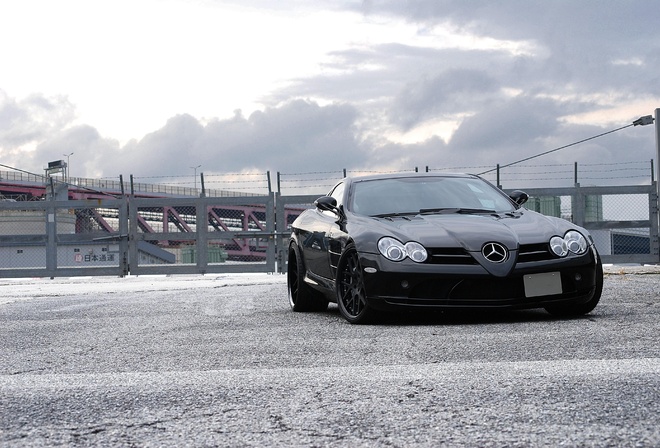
(408, 284)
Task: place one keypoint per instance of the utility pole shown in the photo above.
(195, 168)
(66, 170)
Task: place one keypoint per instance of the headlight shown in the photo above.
(416, 252)
(394, 250)
(575, 242)
(558, 246)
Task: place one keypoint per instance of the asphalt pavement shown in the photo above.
(220, 360)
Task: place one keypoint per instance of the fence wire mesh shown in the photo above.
(249, 233)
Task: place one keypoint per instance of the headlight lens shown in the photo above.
(558, 246)
(416, 252)
(575, 242)
(394, 250)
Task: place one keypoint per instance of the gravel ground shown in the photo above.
(222, 361)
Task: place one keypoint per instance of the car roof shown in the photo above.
(400, 175)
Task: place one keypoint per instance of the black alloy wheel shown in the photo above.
(301, 296)
(351, 296)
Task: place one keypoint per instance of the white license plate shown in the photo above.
(545, 284)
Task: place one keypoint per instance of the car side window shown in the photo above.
(338, 194)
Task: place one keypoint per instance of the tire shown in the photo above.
(351, 296)
(301, 296)
(582, 308)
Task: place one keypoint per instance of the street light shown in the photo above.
(66, 178)
(195, 168)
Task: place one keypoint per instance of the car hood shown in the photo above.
(472, 231)
(468, 231)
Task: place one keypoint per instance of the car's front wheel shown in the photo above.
(583, 308)
(351, 296)
(301, 296)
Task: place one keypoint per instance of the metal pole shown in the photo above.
(652, 172)
(575, 174)
(657, 160)
(657, 146)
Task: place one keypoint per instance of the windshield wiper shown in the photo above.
(429, 211)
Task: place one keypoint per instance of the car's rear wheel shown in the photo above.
(351, 296)
(301, 296)
(582, 308)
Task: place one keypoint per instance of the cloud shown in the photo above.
(448, 94)
(298, 135)
(408, 83)
(88, 152)
(32, 119)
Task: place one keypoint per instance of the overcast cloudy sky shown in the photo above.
(155, 87)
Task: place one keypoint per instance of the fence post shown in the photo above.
(272, 247)
(201, 208)
(657, 160)
(280, 227)
(578, 208)
(51, 237)
(654, 238)
(123, 234)
(133, 256)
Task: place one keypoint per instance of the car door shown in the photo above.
(318, 242)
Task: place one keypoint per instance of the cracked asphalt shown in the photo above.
(220, 360)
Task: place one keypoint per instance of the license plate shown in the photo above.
(545, 284)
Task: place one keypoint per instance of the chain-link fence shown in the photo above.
(250, 233)
(203, 235)
(622, 220)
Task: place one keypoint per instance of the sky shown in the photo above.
(168, 89)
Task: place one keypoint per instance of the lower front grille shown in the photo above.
(466, 289)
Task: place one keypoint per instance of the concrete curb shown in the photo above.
(621, 269)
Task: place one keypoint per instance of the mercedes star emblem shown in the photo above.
(494, 252)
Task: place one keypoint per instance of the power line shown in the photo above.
(642, 121)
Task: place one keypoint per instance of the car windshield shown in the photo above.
(426, 195)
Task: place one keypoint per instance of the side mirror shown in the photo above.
(326, 204)
(519, 197)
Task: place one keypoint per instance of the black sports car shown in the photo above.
(437, 241)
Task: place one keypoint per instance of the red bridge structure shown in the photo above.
(161, 218)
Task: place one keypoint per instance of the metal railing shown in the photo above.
(250, 234)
